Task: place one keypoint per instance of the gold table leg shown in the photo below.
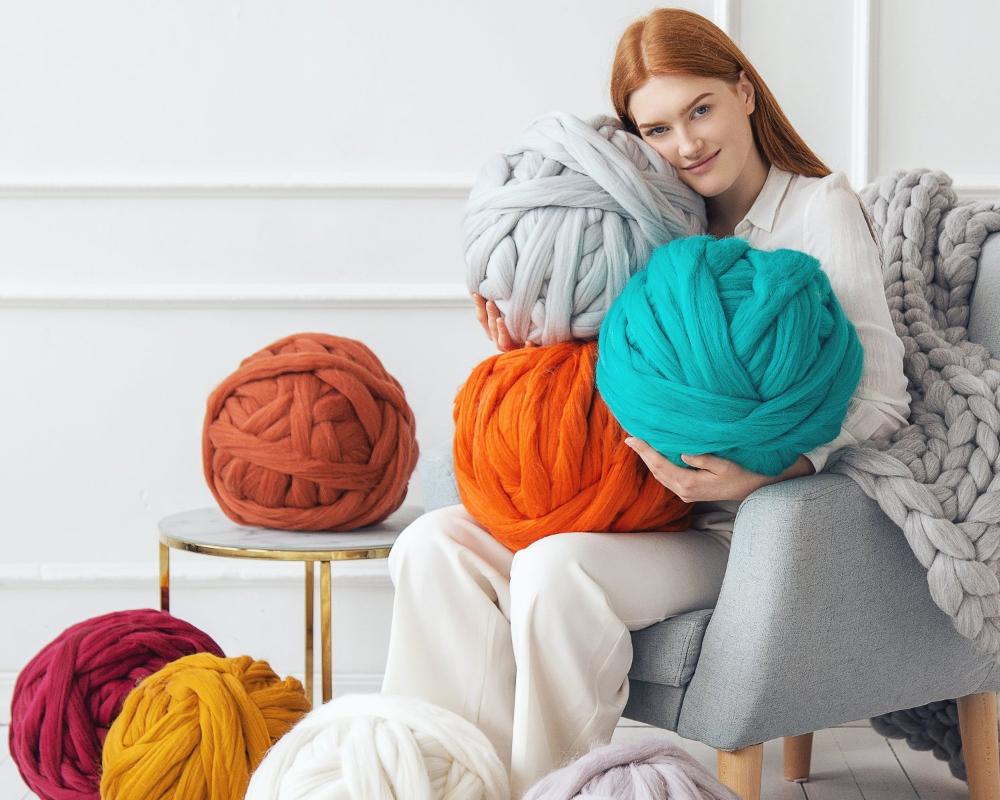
(309, 630)
(324, 612)
(164, 577)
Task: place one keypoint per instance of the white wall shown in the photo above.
(183, 183)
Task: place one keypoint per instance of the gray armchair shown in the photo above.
(824, 617)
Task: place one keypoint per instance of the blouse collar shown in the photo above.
(765, 208)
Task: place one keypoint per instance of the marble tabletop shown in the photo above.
(210, 528)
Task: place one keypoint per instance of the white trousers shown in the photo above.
(533, 647)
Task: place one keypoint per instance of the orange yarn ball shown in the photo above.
(309, 434)
(538, 452)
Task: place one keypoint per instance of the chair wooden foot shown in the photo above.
(977, 721)
(798, 754)
(740, 770)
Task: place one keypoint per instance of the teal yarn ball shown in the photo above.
(718, 347)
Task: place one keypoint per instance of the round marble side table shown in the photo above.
(209, 531)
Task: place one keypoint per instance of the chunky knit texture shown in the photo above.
(197, 729)
(556, 223)
(67, 696)
(649, 770)
(368, 746)
(309, 434)
(717, 347)
(938, 477)
(537, 452)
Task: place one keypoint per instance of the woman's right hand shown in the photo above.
(492, 321)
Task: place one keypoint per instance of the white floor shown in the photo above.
(851, 762)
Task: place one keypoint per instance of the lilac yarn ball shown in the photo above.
(651, 770)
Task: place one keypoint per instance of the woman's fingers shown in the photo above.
(480, 302)
(492, 315)
(663, 469)
(504, 340)
(489, 316)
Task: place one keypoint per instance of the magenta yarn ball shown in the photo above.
(68, 695)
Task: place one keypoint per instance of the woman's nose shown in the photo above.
(689, 146)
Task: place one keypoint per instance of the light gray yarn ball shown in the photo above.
(557, 223)
(653, 769)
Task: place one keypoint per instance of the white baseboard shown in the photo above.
(342, 684)
(252, 608)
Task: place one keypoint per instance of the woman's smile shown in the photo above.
(705, 166)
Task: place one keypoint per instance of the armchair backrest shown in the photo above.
(984, 311)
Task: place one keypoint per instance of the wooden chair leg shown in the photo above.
(798, 754)
(977, 721)
(740, 770)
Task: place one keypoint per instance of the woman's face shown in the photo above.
(685, 128)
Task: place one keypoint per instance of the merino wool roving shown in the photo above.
(556, 223)
(309, 434)
(717, 347)
(649, 770)
(368, 746)
(197, 729)
(537, 452)
(67, 696)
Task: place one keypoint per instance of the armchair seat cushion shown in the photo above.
(667, 652)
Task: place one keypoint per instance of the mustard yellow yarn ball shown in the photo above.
(197, 729)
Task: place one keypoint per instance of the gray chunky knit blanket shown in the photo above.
(938, 477)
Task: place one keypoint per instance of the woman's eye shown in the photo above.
(653, 131)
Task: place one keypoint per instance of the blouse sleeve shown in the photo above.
(840, 235)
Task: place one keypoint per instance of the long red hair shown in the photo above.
(673, 40)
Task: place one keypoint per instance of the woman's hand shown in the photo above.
(714, 478)
(490, 318)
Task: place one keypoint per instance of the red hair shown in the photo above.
(673, 40)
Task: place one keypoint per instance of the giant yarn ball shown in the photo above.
(67, 696)
(537, 452)
(648, 770)
(391, 747)
(557, 222)
(311, 433)
(717, 347)
(197, 729)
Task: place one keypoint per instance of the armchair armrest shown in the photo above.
(436, 468)
(824, 616)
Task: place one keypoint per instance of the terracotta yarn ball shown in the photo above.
(197, 729)
(309, 434)
(538, 452)
(68, 695)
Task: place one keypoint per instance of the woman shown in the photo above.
(534, 647)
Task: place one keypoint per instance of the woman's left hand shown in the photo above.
(713, 477)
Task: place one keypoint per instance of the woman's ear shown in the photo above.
(748, 91)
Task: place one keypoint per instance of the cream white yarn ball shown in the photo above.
(381, 747)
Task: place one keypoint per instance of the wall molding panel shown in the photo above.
(207, 296)
(864, 93)
(726, 14)
(205, 574)
(411, 187)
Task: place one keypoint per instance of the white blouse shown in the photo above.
(825, 218)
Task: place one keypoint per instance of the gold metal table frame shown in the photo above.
(309, 557)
